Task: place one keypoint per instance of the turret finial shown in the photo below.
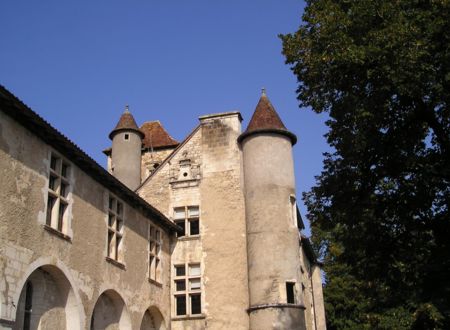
(127, 108)
(263, 91)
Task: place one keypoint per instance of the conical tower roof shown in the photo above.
(266, 120)
(126, 123)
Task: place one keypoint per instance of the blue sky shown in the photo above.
(78, 63)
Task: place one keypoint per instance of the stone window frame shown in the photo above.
(182, 287)
(187, 220)
(154, 254)
(59, 202)
(115, 221)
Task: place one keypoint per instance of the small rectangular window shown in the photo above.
(115, 228)
(50, 204)
(52, 182)
(65, 170)
(62, 210)
(194, 227)
(178, 213)
(180, 285)
(196, 306)
(53, 162)
(127, 136)
(58, 192)
(181, 305)
(180, 270)
(290, 292)
(194, 270)
(187, 218)
(193, 211)
(194, 284)
(155, 243)
(181, 225)
(188, 285)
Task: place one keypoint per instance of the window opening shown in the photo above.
(28, 306)
(187, 294)
(188, 219)
(290, 292)
(115, 228)
(58, 191)
(154, 254)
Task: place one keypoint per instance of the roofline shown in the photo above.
(309, 251)
(286, 133)
(20, 112)
(168, 158)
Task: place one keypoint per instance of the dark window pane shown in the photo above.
(62, 209)
(180, 285)
(28, 306)
(52, 182)
(119, 208)
(181, 305)
(195, 229)
(181, 225)
(111, 220)
(196, 305)
(50, 203)
(110, 241)
(53, 163)
(63, 190)
(290, 293)
(64, 170)
(180, 270)
(111, 203)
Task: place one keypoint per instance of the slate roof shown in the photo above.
(156, 137)
(126, 123)
(266, 120)
(16, 109)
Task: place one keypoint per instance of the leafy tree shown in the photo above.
(379, 212)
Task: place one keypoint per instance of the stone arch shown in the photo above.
(153, 319)
(47, 300)
(110, 312)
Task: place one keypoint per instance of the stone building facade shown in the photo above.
(201, 234)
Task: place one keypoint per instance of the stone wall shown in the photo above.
(206, 171)
(72, 262)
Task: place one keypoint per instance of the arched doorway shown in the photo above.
(153, 320)
(110, 313)
(47, 301)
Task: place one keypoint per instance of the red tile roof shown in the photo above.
(266, 119)
(156, 136)
(265, 116)
(126, 123)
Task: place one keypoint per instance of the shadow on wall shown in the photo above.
(110, 312)
(47, 301)
(153, 320)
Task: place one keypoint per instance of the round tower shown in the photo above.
(126, 151)
(272, 234)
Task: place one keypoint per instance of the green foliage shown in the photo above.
(380, 209)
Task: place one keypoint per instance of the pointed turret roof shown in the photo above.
(126, 123)
(156, 136)
(266, 120)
